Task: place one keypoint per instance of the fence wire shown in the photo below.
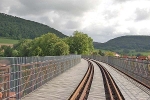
(21, 75)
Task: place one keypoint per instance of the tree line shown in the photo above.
(50, 45)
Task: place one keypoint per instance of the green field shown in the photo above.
(146, 53)
(8, 41)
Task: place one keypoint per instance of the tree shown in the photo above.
(95, 53)
(101, 53)
(109, 53)
(1, 52)
(7, 51)
(46, 45)
(23, 47)
(80, 43)
(61, 48)
(37, 51)
(15, 53)
(70, 42)
(51, 45)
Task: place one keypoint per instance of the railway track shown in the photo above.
(112, 91)
(82, 91)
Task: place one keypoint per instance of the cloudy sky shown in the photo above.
(101, 19)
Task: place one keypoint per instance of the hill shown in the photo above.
(138, 43)
(17, 28)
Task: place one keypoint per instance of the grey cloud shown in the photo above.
(1, 5)
(144, 31)
(73, 24)
(120, 1)
(103, 39)
(142, 14)
(105, 33)
(61, 23)
(44, 20)
(132, 30)
(72, 7)
(99, 32)
(110, 14)
(5, 5)
(26, 8)
(59, 14)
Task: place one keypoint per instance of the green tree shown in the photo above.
(70, 42)
(61, 48)
(37, 51)
(100, 53)
(109, 53)
(47, 44)
(23, 47)
(80, 43)
(95, 53)
(1, 52)
(15, 53)
(7, 51)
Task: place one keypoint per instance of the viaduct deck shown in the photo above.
(61, 87)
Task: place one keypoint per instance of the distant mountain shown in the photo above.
(132, 42)
(18, 28)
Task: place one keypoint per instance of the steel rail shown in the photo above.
(111, 89)
(107, 84)
(82, 90)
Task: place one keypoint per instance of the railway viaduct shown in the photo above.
(74, 77)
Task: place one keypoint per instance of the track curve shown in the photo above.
(82, 90)
(111, 89)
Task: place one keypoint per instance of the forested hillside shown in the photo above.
(138, 43)
(18, 28)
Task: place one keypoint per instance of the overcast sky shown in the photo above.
(101, 19)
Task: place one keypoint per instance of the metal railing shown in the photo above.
(20, 76)
(136, 68)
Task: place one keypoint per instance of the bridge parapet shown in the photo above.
(20, 76)
(136, 68)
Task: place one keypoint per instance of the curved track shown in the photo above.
(111, 89)
(112, 92)
(82, 91)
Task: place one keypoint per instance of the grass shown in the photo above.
(4, 40)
